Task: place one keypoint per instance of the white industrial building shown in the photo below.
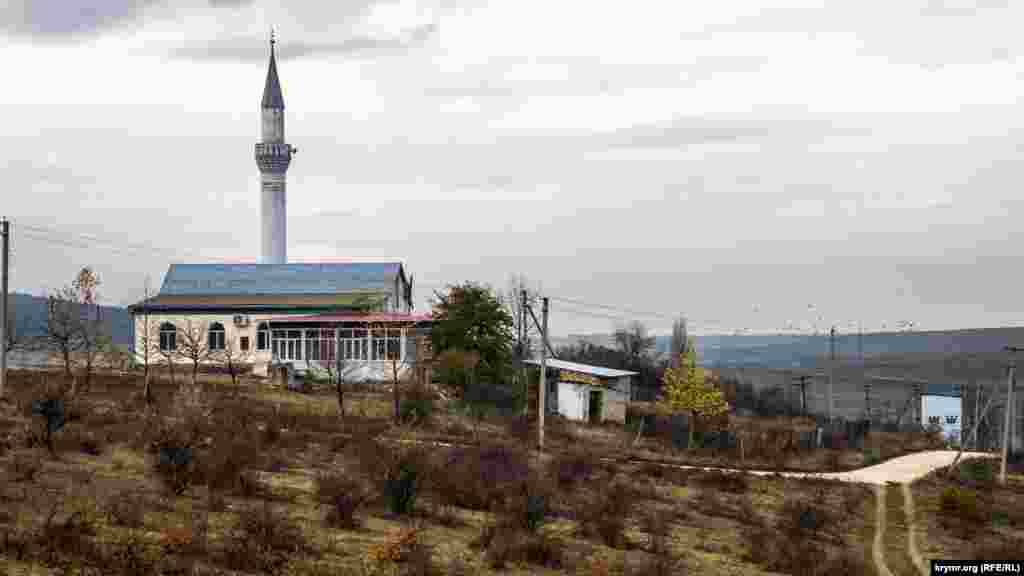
(586, 393)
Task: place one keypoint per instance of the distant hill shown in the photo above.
(30, 317)
(786, 351)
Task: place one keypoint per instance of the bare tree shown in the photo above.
(633, 339)
(233, 358)
(334, 363)
(93, 338)
(147, 336)
(194, 346)
(393, 356)
(61, 329)
(679, 342)
(169, 354)
(525, 329)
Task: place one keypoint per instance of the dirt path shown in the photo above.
(912, 550)
(878, 546)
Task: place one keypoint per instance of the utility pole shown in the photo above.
(867, 400)
(977, 408)
(831, 367)
(1007, 420)
(541, 392)
(802, 382)
(4, 321)
(522, 351)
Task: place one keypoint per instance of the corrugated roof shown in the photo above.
(584, 368)
(278, 279)
(350, 317)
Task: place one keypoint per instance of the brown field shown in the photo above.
(278, 483)
(970, 516)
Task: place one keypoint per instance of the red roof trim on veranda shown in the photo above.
(386, 317)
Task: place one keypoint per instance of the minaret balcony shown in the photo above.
(278, 149)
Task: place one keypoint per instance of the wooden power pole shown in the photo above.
(1007, 419)
(541, 392)
(831, 367)
(5, 322)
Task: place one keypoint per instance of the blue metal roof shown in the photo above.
(253, 279)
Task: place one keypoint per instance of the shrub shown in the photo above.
(175, 464)
(67, 538)
(525, 505)
(343, 496)
(570, 468)
(977, 472)
(961, 506)
(397, 472)
(735, 483)
(872, 456)
(997, 549)
(271, 432)
(127, 509)
(263, 540)
(417, 406)
(398, 547)
(656, 524)
(478, 478)
(505, 543)
(604, 513)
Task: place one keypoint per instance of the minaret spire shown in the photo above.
(273, 156)
(272, 97)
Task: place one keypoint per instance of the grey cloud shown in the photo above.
(69, 19)
(688, 131)
(242, 48)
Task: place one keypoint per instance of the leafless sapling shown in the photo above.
(194, 346)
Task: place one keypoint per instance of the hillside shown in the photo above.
(30, 317)
(794, 350)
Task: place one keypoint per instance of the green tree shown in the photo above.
(471, 318)
(684, 390)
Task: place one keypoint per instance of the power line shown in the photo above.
(616, 308)
(94, 238)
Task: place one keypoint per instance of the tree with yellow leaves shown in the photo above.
(685, 390)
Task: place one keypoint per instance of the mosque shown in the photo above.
(308, 315)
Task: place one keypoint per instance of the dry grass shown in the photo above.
(277, 482)
(970, 516)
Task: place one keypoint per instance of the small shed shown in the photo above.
(586, 393)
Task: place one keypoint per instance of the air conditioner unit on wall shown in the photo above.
(241, 320)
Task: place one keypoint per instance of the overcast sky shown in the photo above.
(749, 164)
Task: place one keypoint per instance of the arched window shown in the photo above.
(215, 341)
(168, 337)
(263, 336)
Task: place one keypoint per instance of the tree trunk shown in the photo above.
(395, 393)
(67, 363)
(689, 429)
(148, 393)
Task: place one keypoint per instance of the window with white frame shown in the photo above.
(313, 345)
(352, 342)
(263, 336)
(394, 345)
(287, 344)
(215, 337)
(379, 343)
(168, 337)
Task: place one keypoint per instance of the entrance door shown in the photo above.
(596, 406)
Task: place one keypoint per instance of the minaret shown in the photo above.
(273, 157)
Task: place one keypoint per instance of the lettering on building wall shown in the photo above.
(567, 376)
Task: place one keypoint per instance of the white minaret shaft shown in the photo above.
(273, 156)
